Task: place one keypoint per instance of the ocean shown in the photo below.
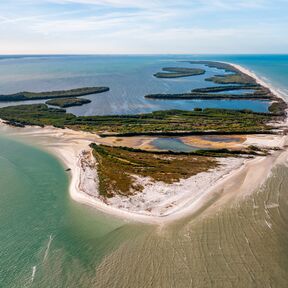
(48, 240)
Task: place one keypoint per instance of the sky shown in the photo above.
(143, 26)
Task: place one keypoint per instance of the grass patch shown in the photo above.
(68, 102)
(159, 122)
(117, 165)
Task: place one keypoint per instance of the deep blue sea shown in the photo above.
(130, 78)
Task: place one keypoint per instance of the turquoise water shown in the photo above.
(49, 241)
(41, 229)
(176, 145)
(130, 78)
(172, 144)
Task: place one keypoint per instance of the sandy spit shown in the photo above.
(159, 202)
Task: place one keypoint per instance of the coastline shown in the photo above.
(72, 149)
(193, 193)
(258, 80)
(236, 180)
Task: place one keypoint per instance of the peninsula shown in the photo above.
(116, 167)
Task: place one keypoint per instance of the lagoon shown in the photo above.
(130, 78)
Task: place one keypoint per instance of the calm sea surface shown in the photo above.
(130, 78)
(47, 240)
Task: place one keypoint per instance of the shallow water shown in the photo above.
(43, 233)
(130, 78)
(241, 245)
(172, 144)
(235, 92)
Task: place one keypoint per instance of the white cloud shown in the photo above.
(150, 4)
(183, 26)
(148, 40)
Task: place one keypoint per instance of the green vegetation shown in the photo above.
(260, 93)
(179, 72)
(234, 77)
(22, 96)
(227, 88)
(239, 78)
(235, 80)
(278, 107)
(117, 165)
(218, 65)
(209, 96)
(68, 102)
(160, 122)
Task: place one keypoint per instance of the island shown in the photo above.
(224, 88)
(68, 102)
(24, 96)
(210, 96)
(175, 72)
(116, 167)
(234, 80)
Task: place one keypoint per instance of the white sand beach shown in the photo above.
(159, 202)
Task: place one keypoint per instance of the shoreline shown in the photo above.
(258, 79)
(68, 147)
(188, 202)
(72, 149)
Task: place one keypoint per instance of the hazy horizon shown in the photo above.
(145, 54)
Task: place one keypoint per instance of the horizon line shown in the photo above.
(134, 54)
